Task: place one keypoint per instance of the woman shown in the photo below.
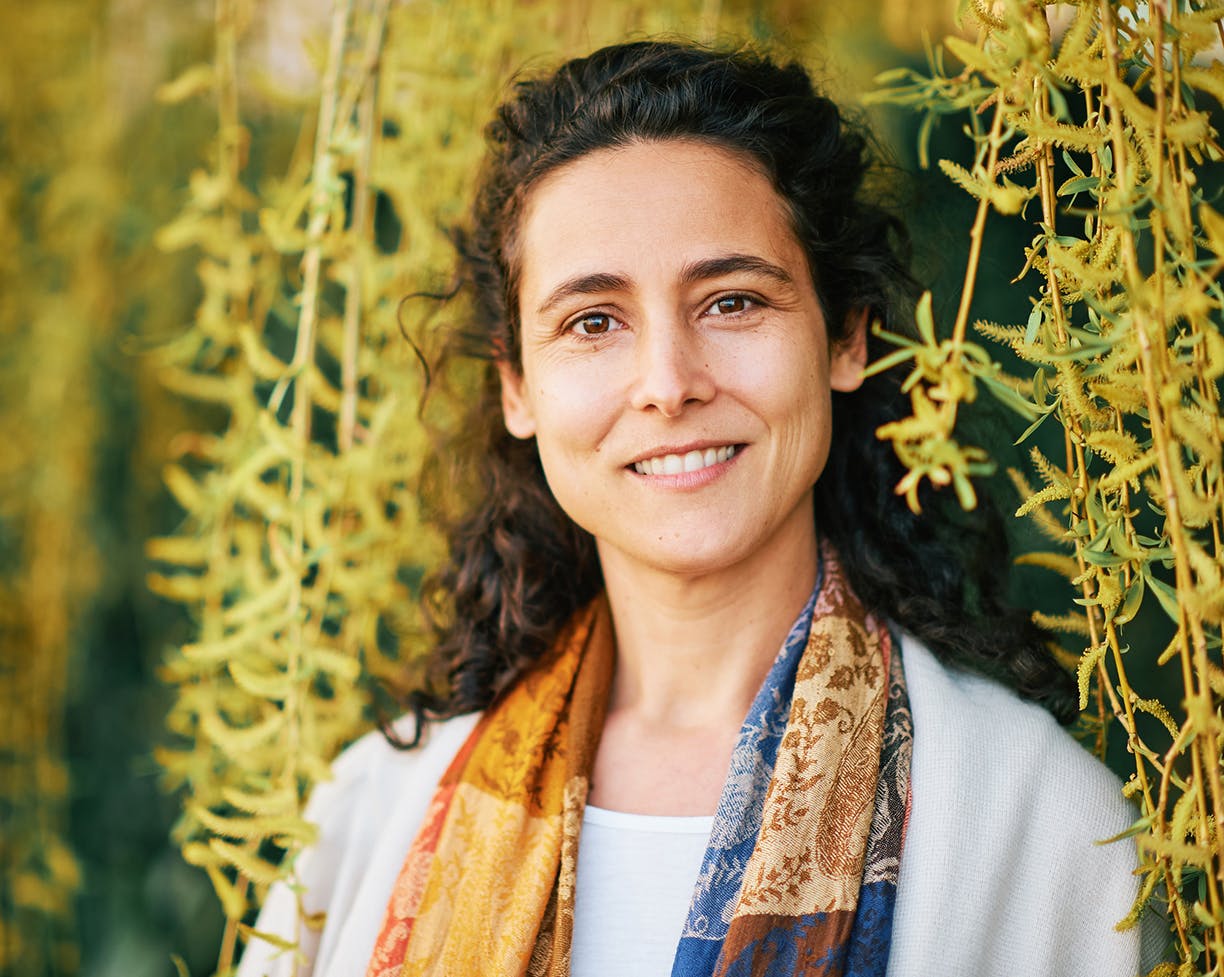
(673, 263)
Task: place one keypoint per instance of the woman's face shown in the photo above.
(675, 363)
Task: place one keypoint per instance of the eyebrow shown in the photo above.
(696, 271)
(728, 263)
(583, 285)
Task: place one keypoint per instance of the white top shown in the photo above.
(1000, 873)
(635, 880)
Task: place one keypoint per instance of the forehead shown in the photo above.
(649, 206)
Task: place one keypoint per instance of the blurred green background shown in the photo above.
(91, 165)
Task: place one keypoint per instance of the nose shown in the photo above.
(672, 368)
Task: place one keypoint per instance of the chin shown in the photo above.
(680, 559)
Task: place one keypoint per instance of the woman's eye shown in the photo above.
(594, 324)
(730, 305)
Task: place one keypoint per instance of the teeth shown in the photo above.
(693, 461)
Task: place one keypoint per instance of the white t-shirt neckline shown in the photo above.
(700, 824)
(636, 876)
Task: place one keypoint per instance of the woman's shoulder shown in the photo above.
(373, 777)
(374, 757)
(377, 787)
(367, 815)
(1003, 849)
(1002, 736)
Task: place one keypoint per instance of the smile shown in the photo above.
(692, 461)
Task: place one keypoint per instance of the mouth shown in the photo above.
(689, 461)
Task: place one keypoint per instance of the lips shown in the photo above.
(689, 461)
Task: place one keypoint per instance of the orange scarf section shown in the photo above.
(506, 817)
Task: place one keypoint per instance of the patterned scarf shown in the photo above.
(800, 873)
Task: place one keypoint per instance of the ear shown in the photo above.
(516, 410)
(848, 356)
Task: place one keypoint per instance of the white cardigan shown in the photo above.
(1000, 874)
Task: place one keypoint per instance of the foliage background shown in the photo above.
(92, 165)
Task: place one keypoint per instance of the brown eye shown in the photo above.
(594, 324)
(730, 305)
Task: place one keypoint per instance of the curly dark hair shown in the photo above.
(518, 566)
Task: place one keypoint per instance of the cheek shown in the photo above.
(573, 423)
(573, 410)
(786, 379)
(792, 391)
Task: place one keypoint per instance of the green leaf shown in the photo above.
(894, 75)
(924, 140)
(965, 494)
(1009, 397)
(1131, 602)
(1058, 101)
(1033, 427)
(199, 79)
(1078, 185)
(924, 319)
(1034, 323)
(1102, 558)
(1142, 826)
(888, 361)
(1105, 155)
(268, 937)
(1166, 595)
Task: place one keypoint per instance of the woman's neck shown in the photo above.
(692, 651)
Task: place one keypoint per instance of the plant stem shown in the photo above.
(976, 234)
(366, 115)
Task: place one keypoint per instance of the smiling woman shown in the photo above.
(692, 327)
(707, 699)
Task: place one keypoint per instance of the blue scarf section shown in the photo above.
(813, 942)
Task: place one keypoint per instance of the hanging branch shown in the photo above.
(58, 315)
(1128, 359)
